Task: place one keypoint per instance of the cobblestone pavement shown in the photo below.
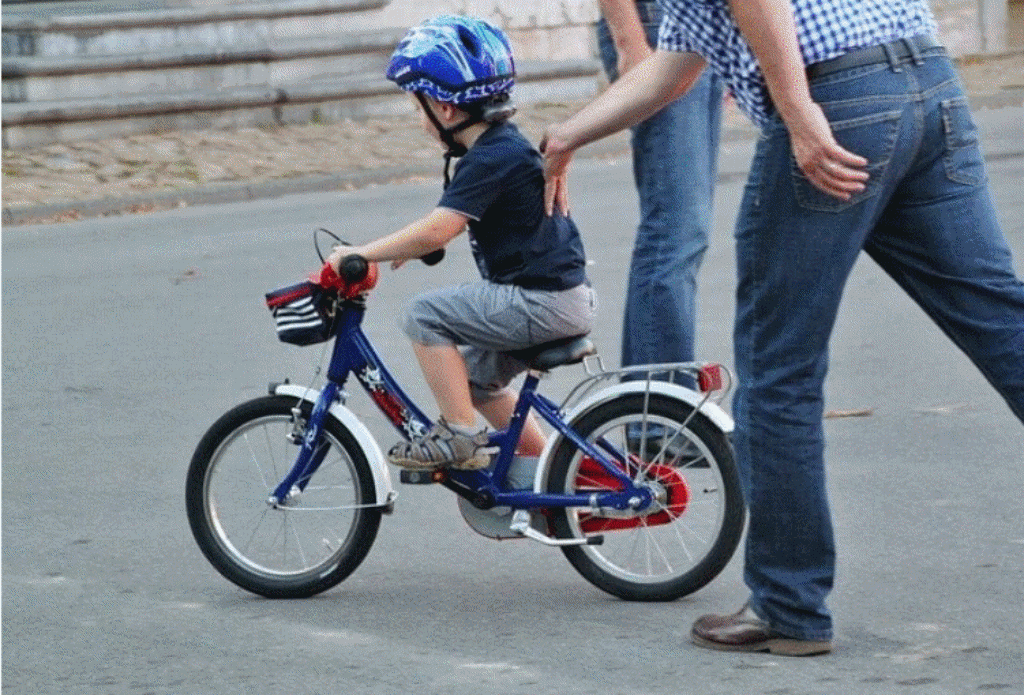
(131, 166)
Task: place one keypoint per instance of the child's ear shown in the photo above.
(449, 112)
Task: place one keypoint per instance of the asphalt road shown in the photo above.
(124, 338)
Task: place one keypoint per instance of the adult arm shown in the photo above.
(627, 32)
(769, 28)
(658, 80)
(412, 241)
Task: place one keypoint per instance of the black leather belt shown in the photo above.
(894, 53)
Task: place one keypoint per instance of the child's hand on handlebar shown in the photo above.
(338, 253)
(341, 252)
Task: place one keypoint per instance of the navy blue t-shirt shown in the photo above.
(499, 186)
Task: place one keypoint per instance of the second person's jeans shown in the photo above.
(927, 219)
(675, 168)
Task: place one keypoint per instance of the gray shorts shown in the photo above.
(485, 319)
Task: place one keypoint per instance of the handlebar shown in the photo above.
(353, 269)
(434, 257)
(356, 275)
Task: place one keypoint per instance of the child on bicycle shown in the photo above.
(534, 287)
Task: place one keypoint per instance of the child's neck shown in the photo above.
(470, 135)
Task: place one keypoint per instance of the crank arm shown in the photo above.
(521, 525)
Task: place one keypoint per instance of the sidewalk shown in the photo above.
(144, 173)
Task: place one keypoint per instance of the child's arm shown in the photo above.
(412, 241)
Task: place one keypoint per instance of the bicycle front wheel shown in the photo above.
(294, 549)
(687, 536)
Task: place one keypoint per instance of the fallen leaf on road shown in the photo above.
(190, 274)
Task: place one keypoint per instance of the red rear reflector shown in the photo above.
(709, 378)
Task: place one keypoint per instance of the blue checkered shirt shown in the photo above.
(825, 29)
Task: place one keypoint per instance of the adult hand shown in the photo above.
(829, 167)
(556, 163)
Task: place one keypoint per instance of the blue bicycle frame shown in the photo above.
(353, 354)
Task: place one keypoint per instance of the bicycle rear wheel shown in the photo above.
(301, 547)
(683, 540)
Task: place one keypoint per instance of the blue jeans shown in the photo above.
(675, 166)
(927, 219)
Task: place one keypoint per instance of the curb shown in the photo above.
(236, 192)
(212, 194)
(732, 164)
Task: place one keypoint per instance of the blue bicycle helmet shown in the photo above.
(460, 60)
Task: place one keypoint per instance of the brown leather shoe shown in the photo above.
(745, 632)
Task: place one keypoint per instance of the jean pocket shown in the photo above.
(872, 137)
(962, 156)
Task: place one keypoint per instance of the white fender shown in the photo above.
(718, 417)
(384, 490)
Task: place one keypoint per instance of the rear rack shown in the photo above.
(713, 380)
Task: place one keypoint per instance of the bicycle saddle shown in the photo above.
(555, 353)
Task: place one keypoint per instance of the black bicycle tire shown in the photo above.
(363, 529)
(724, 545)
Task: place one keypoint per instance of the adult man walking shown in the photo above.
(867, 144)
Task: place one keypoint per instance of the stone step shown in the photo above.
(325, 98)
(36, 79)
(161, 27)
(113, 67)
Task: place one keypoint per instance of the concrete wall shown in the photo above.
(558, 29)
(160, 69)
(540, 30)
(561, 29)
(973, 26)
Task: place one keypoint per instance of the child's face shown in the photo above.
(425, 123)
(447, 114)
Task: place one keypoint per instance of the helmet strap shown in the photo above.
(455, 148)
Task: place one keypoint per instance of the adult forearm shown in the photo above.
(638, 95)
(771, 31)
(768, 27)
(627, 31)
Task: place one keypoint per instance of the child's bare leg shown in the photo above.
(498, 411)
(445, 371)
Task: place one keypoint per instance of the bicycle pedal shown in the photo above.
(428, 477)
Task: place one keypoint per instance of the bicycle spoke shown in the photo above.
(263, 517)
(255, 458)
(671, 547)
(298, 541)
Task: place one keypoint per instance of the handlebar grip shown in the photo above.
(434, 257)
(353, 269)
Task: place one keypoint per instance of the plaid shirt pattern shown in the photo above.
(825, 29)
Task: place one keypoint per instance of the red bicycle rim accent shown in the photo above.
(592, 476)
